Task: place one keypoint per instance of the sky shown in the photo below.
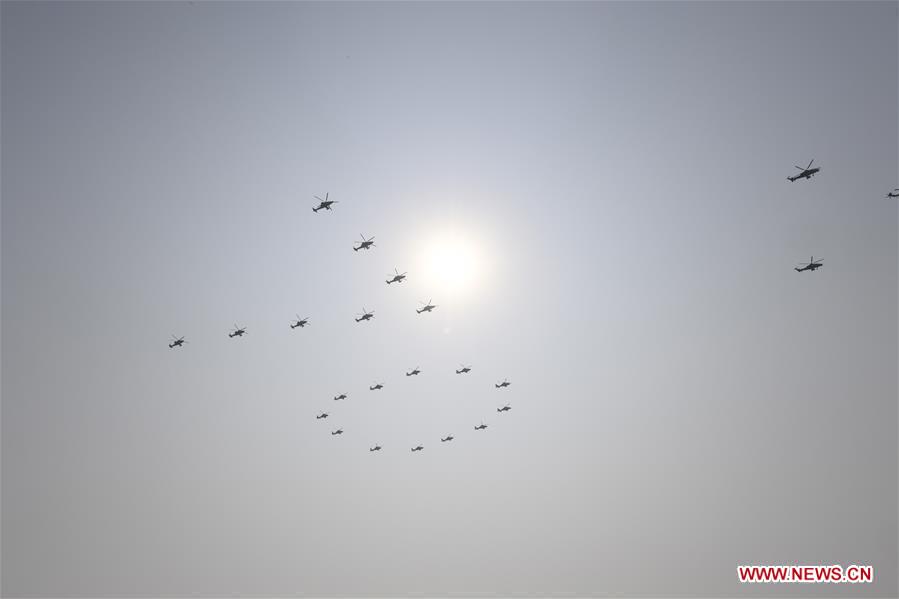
(594, 194)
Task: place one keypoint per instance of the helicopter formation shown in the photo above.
(366, 315)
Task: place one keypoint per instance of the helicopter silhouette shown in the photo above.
(481, 427)
(447, 438)
(417, 448)
(427, 307)
(337, 432)
(806, 173)
(322, 415)
(415, 372)
(505, 408)
(397, 278)
(813, 265)
(464, 369)
(177, 342)
(505, 383)
(375, 448)
(893, 194)
(301, 322)
(366, 315)
(339, 397)
(376, 387)
(365, 244)
(238, 331)
(326, 203)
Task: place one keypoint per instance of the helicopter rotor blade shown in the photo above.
(810, 163)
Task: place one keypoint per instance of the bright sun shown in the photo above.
(452, 265)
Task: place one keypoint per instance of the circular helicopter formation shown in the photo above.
(364, 316)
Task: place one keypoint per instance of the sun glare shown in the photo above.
(452, 264)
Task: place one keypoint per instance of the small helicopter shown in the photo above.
(177, 342)
(417, 448)
(365, 244)
(415, 372)
(375, 448)
(238, 331)
(376, 387)
(505, 408)
(806, 173)
(893, 194)
(337, 432)
(481, 427)
(366, 315)
(505, 383)
(326, 203)
(322, 415)
(465, 369)
(427, 307)
(397, 278)
(301, 322)
(813, 265)
(339, 397)
(447, 438)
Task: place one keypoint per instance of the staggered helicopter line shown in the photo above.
(396, 277)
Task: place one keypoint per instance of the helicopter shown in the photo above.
(417, 448)
(505, 383)
(177, 342)
(415, 372)
(806, 173)
(339, 397)
(376, 387)
(375, 448)
(505, 408)
(893, 194)
(481, 427)
(397, 278)
(326, 203)
(301, 322)
(812, 265)
(322, 415)
(366, 315)
(238, 331)
(337, 432)
(447, 438)
(427, 307)
(366, 243)
(464, 370)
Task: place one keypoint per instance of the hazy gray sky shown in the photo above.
(683, 401)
